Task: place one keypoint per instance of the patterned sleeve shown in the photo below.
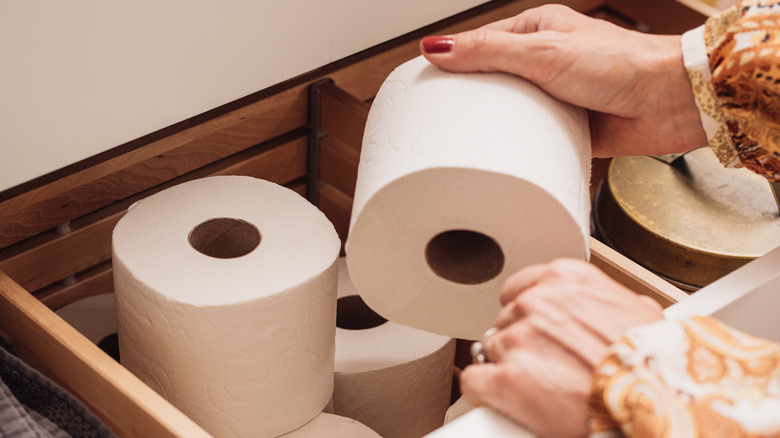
(691, 378)
(737, 84)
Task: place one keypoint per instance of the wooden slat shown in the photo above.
(57, 257)
(608, 15)
(280, 164)
(93, 281)
(339, 164)
(633, 276)
(343, 118)
(337, 207)
(48, 258)
(119, 398)
(342, 114)
(664, 16)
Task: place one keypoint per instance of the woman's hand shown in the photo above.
(557, 321)
(633, 84)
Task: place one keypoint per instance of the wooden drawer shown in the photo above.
(55, 233)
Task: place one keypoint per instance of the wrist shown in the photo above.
(677, 98)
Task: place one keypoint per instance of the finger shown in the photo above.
(521, 280)
(510, 314)
(498, 387)
(528, 390)
(528, 55)
(568, 334)
(544, 328)
(517, 336)
(478, 383)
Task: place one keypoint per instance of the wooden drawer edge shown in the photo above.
(632, 275)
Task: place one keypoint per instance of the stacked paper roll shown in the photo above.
(480, 422)
(95, 318)
(226, 301)
(463, 180)
(394, 379)
(329, 425)
(458, 409)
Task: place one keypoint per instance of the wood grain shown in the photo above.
(96, 280)
(339, 164)
(343, 119)
(664, 16)
(633, 276)
(342, 115)
(337, 207)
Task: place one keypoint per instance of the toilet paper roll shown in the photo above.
(226, 301)
(458, 409)
(392, 378)
(463, 180)
(95, 318)
(482, 421)
(336, 426)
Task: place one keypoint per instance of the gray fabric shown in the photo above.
(33, 406)
(17, 421)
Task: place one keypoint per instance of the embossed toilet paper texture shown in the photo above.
(484, 152)
(392, 378)
(244, 346)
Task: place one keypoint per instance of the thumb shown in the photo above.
(480, 383)
(498, 387)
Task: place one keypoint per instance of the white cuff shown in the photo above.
(694, 51)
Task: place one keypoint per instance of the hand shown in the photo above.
(557, 321)
(634, 85)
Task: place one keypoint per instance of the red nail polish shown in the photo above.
(437, 44)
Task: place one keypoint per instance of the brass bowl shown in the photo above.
(691, 221)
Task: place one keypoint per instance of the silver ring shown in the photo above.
(478, 352)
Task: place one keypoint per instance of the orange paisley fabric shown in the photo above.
(743, 94)
(693, 378)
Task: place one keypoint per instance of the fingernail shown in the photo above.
(437, 44)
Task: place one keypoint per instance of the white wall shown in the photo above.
(80, 77)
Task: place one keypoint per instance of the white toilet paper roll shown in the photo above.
(95, 318)
(463, 180)
(481, 421)
(458, 409)
(392, 378)
(226, 301)
(329, 425)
